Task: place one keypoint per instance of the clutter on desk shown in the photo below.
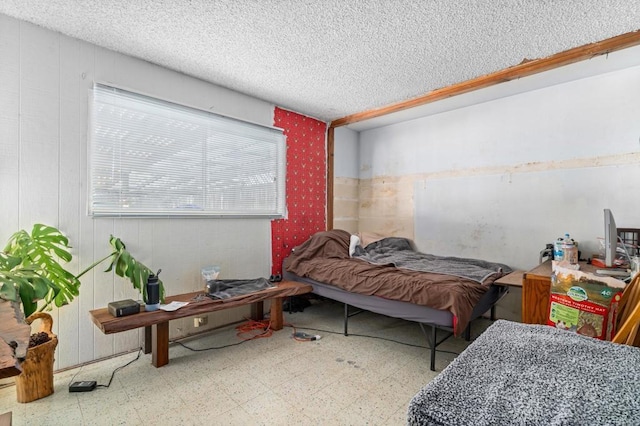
(584, 303)
(209, 273)
(566, 248)
(226, 289)
(173, 306)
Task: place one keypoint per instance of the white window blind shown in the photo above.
(150, 157)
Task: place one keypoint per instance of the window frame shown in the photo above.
(273, 146)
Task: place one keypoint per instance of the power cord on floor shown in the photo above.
(113, 373)
(89, 385)
(177, 342)
(74, 376)
(377, 337)
(301, 336)
(247, 331)
(263, 329)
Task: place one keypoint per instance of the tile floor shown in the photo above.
(336, 380)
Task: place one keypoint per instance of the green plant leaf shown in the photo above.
(114, 261)
(8, 262)
(29, 302)
(33, 262)
(117, 244)
(40, 287)
(63, 298)
(31, 269)
(126, 266)
(51, 240)
(8, 289)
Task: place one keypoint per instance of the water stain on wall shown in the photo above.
(386, 203)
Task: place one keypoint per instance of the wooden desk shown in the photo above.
(536, 288)
(156, 323)
(513, 279)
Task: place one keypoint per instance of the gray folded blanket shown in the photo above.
(399, 252)
(520, 374)
(225, 289)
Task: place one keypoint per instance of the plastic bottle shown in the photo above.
(570, 250)
(558, 252)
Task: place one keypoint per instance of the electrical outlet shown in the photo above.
(198, 321)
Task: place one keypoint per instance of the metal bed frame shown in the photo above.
(425, 316)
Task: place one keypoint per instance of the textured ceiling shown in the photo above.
(331, 58)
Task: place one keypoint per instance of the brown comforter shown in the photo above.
(325, 258)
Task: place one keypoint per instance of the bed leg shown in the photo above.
(346, 318)
(493, 313)
(467, 332)
(431, 339)
(433, 348)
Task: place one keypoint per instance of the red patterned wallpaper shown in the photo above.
(306, 184)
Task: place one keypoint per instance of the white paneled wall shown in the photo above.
(44, 82)
(500, 179)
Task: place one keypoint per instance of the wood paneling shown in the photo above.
(10, 125)
(45, 80)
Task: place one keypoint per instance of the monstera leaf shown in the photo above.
(31, 269)
(127, 266)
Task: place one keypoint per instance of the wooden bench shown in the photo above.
(156, 323)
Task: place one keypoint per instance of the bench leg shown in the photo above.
(257, 311)
(147, 339)
(277, 318)
(160, 344)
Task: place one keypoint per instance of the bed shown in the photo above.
(523, 374)
(389, 277)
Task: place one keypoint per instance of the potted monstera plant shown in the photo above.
(33, 277)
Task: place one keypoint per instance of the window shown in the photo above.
(150, 157)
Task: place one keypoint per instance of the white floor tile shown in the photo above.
(345, 380)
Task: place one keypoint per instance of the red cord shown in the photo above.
(257, 329)
(260, 329)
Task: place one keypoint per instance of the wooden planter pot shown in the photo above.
(36, 379)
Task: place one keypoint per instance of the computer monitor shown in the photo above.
(610, 238)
